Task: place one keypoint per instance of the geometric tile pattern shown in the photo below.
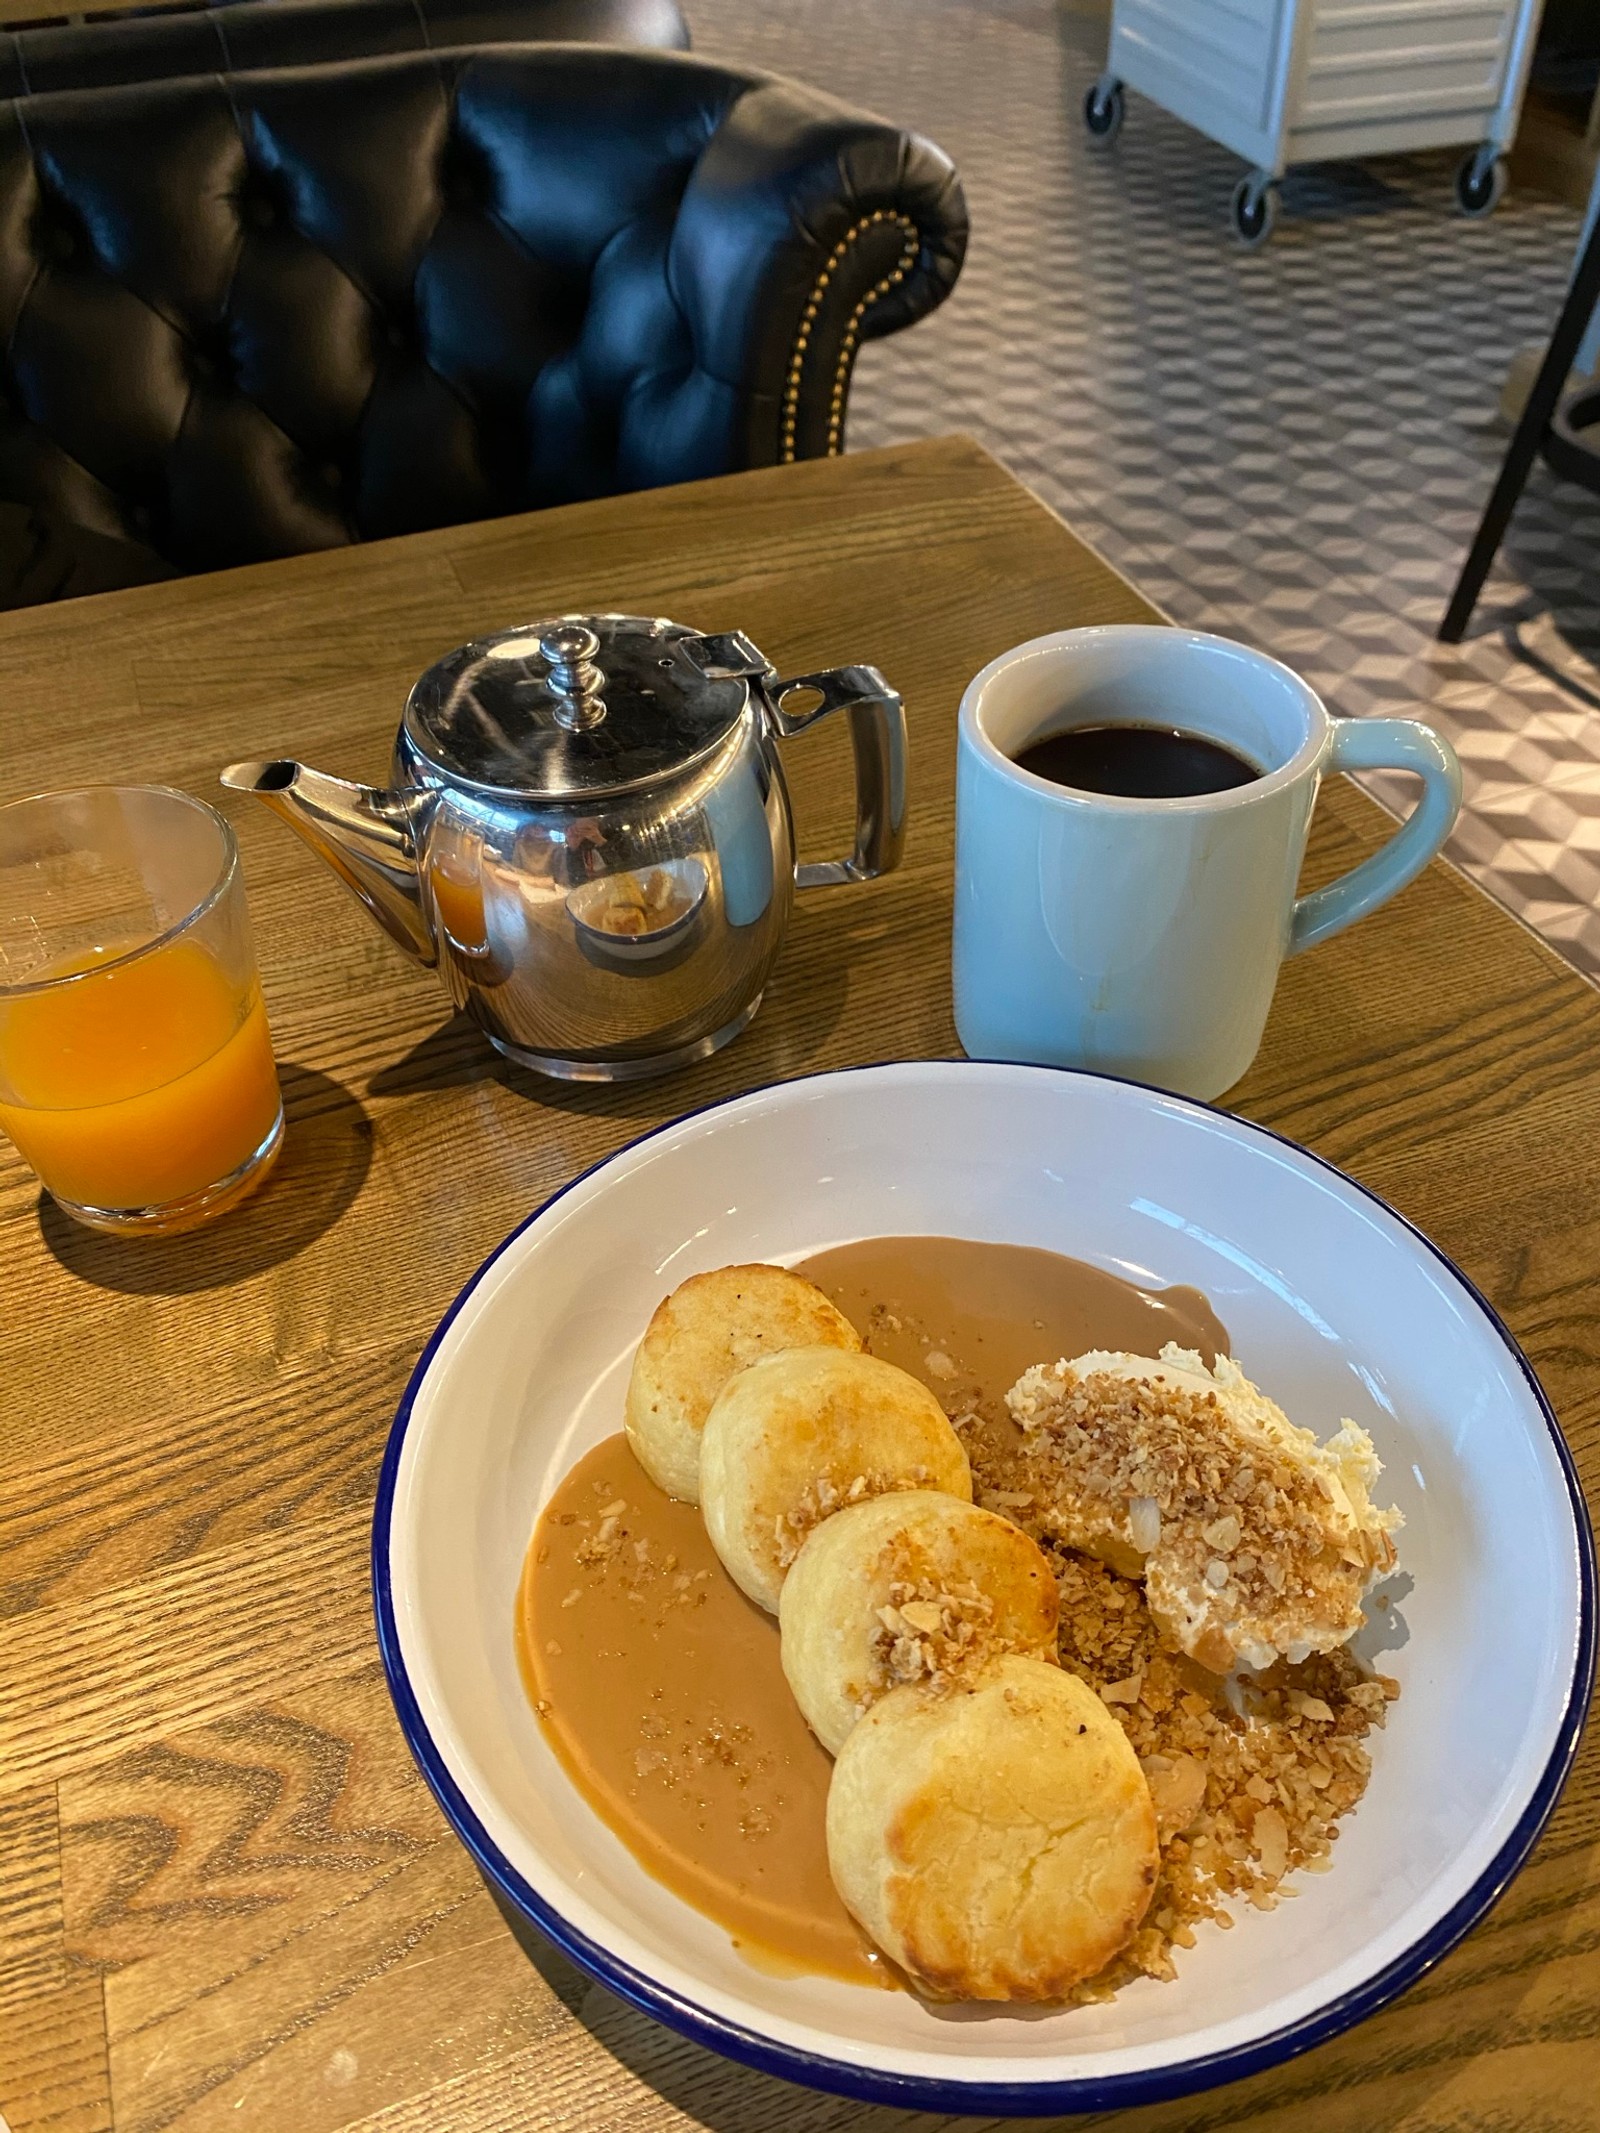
(1291, 446)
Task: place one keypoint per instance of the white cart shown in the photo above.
(1302, 81)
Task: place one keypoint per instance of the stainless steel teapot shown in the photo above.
(589, 833)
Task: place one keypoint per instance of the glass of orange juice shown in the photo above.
(136, 1073)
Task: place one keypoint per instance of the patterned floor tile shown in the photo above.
(1291, 445)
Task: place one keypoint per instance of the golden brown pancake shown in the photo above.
(800, 1435)
(997, 1839)
(910, 1587)
(711, 1327)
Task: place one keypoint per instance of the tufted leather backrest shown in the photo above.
(246, 34)
(256, 315)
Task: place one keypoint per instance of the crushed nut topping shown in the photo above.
(927, 1633)
(821, 1498)
(1255, 1543)
(1249, 1779)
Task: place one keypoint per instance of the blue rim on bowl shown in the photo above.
(939, 2093)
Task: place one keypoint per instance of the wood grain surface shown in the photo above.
(226, 1899)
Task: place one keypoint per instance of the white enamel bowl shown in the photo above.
(1334, 1304)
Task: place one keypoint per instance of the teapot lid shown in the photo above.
(580, 704)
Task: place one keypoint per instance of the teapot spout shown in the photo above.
(367, 837)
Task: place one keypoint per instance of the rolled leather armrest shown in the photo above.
(806, 228)
(271, 312)
(740, 236)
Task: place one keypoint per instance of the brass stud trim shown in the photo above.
(852, 331)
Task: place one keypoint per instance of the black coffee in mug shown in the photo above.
(1136, 762)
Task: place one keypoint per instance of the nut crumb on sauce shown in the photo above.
(614, 1557)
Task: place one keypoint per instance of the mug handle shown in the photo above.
(878, 736)
(1384, 744)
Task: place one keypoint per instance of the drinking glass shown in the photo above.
(136, 1073)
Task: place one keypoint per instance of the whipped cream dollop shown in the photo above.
(1255, 1540)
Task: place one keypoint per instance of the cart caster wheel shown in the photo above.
(1480, 183)
(1254, 210)
(1104, 109)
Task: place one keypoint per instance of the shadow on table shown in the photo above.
(326, 1150)
(458, 1055)
(721, 2097)
(804, 1004)
(710, 2092)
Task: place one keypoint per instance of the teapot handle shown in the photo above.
(878, 736)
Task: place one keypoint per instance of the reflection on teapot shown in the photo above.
(588, 832)
(625, 920)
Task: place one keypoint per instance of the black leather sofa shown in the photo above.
(281, 311)
(236, 35)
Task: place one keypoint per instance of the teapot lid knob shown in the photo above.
(568, 649)
(570, 705)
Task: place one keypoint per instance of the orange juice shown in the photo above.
(458, 900)
(141, 1084)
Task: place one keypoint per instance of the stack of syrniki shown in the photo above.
(988, 1821)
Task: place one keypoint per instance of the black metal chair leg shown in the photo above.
(1526, 438)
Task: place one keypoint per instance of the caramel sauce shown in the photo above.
(968, 1319)
(661, 1691)
(659, 1684)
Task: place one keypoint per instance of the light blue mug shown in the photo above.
(1143, 937)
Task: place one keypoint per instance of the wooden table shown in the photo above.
(226, 1899)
